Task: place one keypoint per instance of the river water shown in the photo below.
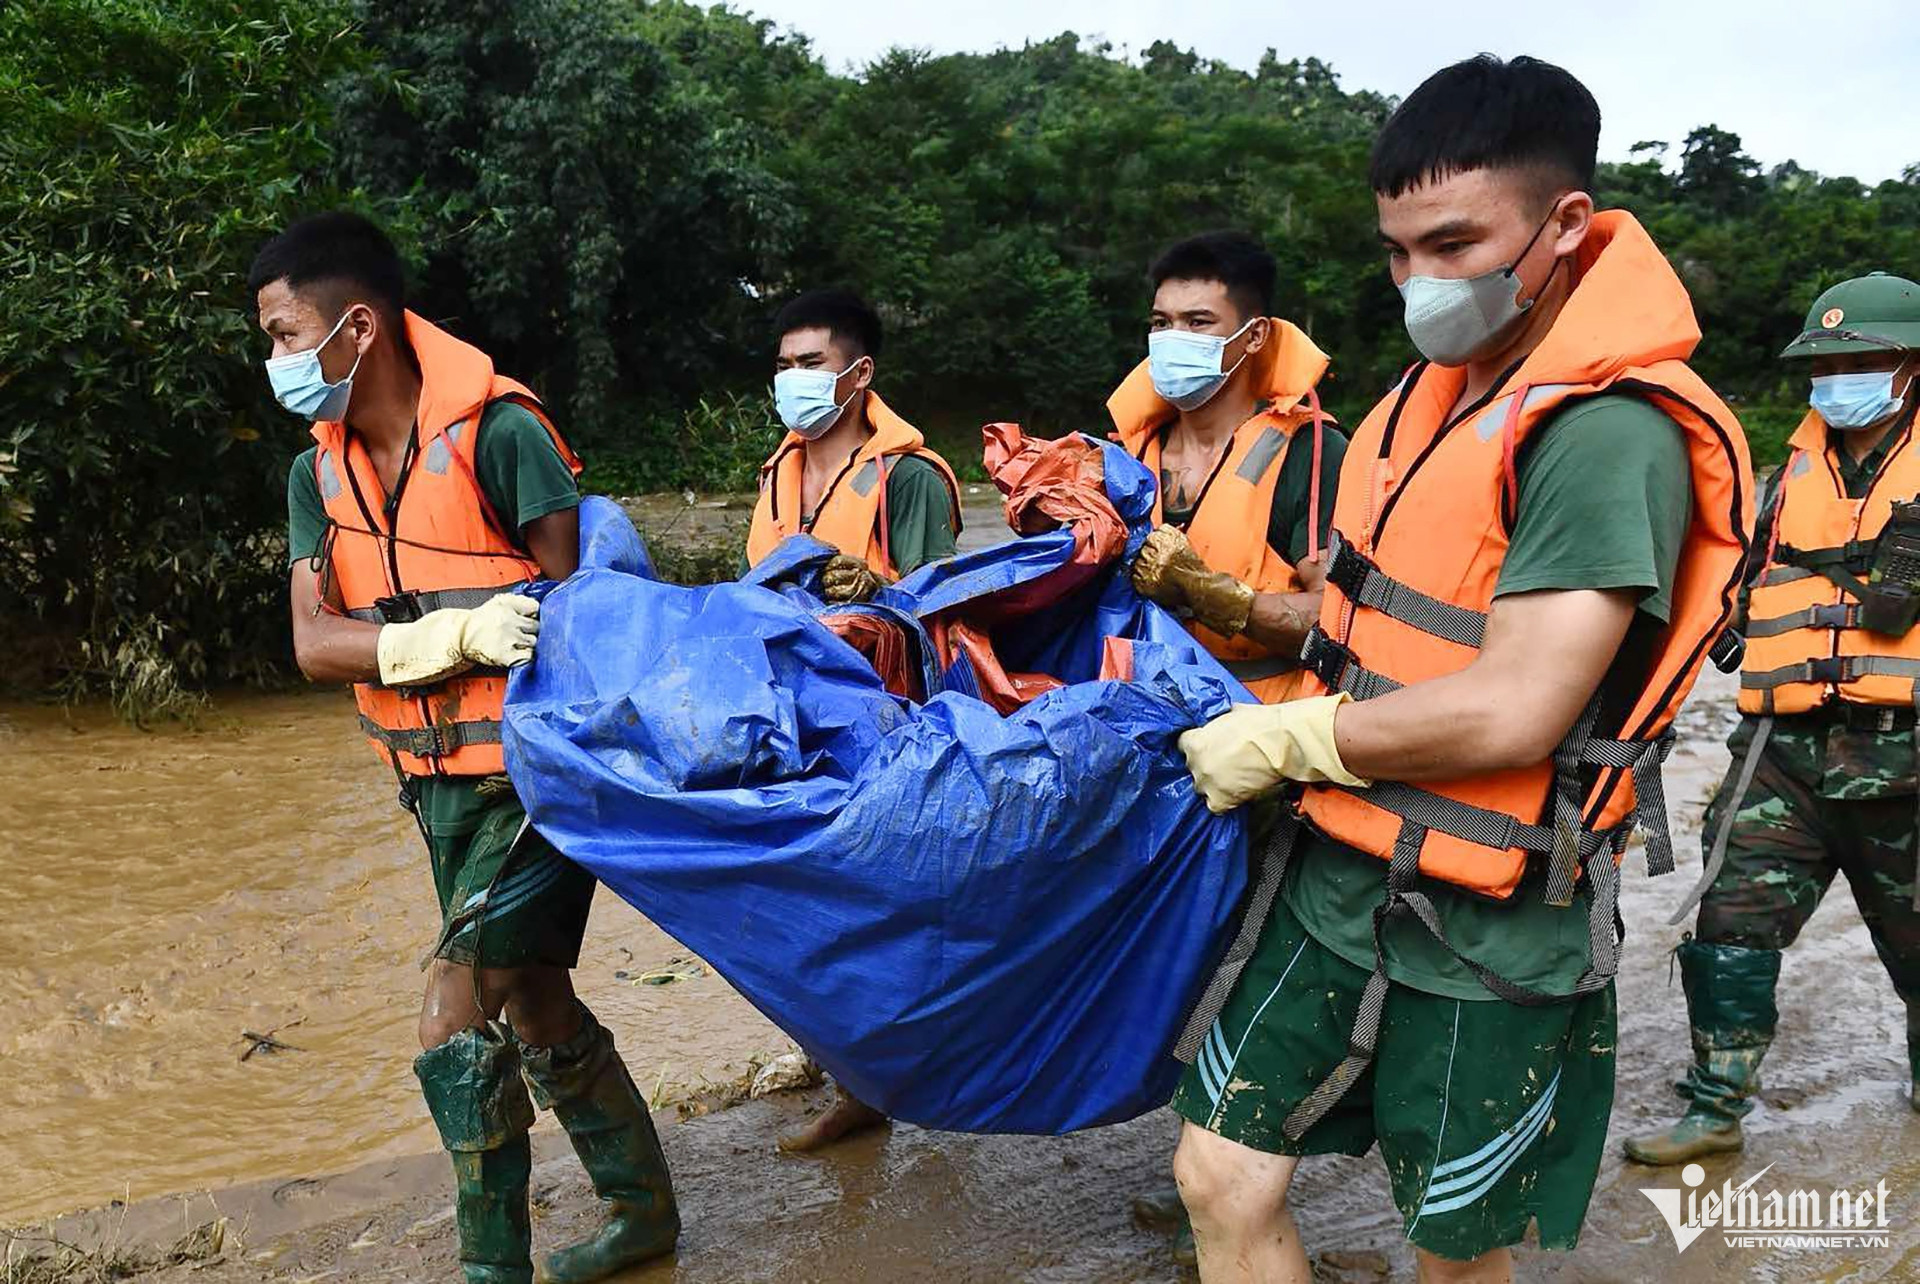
(167, 890)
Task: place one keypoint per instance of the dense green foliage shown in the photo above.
(147, 148)
(612, 195)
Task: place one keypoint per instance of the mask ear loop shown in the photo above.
(1513, 268)
(1228, 373)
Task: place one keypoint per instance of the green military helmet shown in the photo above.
(1871, 313)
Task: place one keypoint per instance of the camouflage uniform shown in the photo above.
(1825, 797)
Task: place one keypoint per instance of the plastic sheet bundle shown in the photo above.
(944, 840)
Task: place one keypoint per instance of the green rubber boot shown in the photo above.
(1163, 1210)
(586, 1085)
(1730, 1007)
(473, 1089)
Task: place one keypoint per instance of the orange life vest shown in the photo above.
(1804, 643)
(1228, 528)
(852, 512)
(1422, 524)
(440, 546)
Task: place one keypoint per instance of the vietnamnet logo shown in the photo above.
(1746, 1218)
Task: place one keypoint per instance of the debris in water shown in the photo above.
(785, 1073)
(666, 974)
(266, 1042)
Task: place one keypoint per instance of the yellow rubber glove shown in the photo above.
(499, 632)
(848, 579)
(1252, 748)
(1169, 572)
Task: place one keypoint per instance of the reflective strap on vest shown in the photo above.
(1567, 839)
(1836, 615)
(436, 741)
(1361, 581)
(1832, 669)
(1261, 667)
(424, 600)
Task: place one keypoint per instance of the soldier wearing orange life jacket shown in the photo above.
(1226, 411)
(855, 475)
(1538, 541)
(437, 488)
(1823, 779)
(850, 472)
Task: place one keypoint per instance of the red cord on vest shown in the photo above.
(1313, 485)
(1509, 477)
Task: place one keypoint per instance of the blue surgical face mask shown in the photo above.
(1186, 366)
(1850, 402)
(299, 385)
(804, 400)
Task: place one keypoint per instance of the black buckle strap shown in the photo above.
(1325, 658)
(1855, 555)
(1335, 664)
(439, 740)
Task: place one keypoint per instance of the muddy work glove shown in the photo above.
(848, 579)
(440, 644)
(1253, 748)
(1169, 572)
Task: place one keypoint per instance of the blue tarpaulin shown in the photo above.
(974, 921)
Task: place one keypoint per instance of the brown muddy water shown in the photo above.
(169, 890)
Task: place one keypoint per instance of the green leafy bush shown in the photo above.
(148, 147)
(717, 445)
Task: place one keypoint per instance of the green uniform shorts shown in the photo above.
(1489, 1115)
(507, 898)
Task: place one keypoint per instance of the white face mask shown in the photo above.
(1452, 319)
(804, 400)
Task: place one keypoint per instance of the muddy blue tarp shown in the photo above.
(973, 921)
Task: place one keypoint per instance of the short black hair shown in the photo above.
(340, 249)
(1235, 259)
(1486, 114)
(842, 313)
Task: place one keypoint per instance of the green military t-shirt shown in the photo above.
(919, 514)
(520, 472)
(1289, 520)
(1605, 501)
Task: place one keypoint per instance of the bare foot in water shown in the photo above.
(843, 1118)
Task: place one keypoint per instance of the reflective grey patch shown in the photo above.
(329, 477)
(1802, 465)
(453, 433)
(1491, 418)
(866, 478)
(439, 457)
(1265, 450)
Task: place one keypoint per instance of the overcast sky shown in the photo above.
(1835, 86)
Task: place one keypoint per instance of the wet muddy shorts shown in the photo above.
(507, 898)
(1489, 1115)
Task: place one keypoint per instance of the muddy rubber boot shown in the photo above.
(1162, 1210)
(1913, 1052)
(1730, 1008)
(473, 1090)
(586, 1085)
